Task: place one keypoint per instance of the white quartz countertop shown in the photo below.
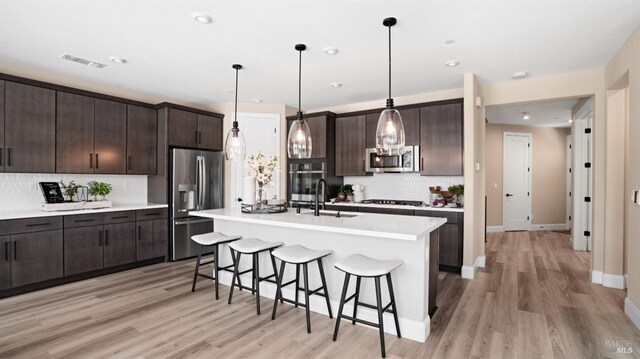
(364, 224)
(417, 208)
(31, 213)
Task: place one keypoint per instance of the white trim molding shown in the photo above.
(613, 281)
(632, 311)
(595, 276)
(469, 272)
(495, 229)
(549, 227)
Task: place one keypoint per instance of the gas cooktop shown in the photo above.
(397, 202)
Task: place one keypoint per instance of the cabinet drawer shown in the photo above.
(30, 225)
(398, 211)
(119, 217)
(154, 213)
(452, 217)
(83, 220)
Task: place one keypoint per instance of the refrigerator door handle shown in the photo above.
(200, 179)
(197, 183)
(203, 182)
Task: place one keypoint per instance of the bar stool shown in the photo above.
(300, 255)
(361, 266)
(253, 246)
(214, 239)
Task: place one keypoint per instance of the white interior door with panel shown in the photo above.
(516, 169)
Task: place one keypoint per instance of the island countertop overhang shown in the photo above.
(365, 224)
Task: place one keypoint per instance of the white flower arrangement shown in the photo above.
(262, 169)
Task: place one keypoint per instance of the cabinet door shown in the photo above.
(74, 131)
(441, 142)
(142, 134)
(2, 151)
(449, 245)
(318, 129)
(110, 140)
(5, 262)
(410, 122)
(144, 240)
(37, 257)
(160, 237)
(210, 133)
(30, 129)
(350, 146)
(82, 249)
(183, 128)
(119, 244)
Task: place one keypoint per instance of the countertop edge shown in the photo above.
(393, 206)
(36, 213)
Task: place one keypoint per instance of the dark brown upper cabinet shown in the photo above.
(351, 145)
(142, 133)
(410, 122)
(1, 126)
(194, 130)
(321, 127)
(441, 140)
(91, 135)
(210, 133)
(30, 129)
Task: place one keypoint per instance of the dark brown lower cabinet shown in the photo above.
(5, 262)
(144, 240)
(399, 211)
(119, 244)
(82, 249)
(160, 237)
(37, 257)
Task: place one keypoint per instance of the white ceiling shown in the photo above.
(542, 114)
(171, 55)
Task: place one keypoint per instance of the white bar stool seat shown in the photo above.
(211, 238)
(214, 239)
(362, 266)
(297, 254)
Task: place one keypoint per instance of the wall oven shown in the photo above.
(409, 161)
(303, 177)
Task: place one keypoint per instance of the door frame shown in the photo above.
(529, 175)
(569, 174)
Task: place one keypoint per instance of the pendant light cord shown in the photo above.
(389, 61)
(235, 121)
(300, 82)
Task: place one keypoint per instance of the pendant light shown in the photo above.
(234, 145)
(299, 140)
(390, 131)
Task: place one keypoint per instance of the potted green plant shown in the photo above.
(70, 190)
(458, 191)
(345, 191)
(101, 189)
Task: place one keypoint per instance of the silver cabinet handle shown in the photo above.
(182, 223)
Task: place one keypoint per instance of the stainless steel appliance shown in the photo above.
(303, 177)
(197, 180)
(409, 161)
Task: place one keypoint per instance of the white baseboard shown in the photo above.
(495, 229)
(613, 281)
(469, 272)
(411, 329)
(632, 311)
(595, 276)
(549, 227)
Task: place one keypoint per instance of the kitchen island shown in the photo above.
(374, 235)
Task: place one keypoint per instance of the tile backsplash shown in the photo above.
(21, 191)
(407, 186)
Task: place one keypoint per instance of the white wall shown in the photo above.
(407, 186)
(20, 191)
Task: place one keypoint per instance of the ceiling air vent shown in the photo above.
(80, 60)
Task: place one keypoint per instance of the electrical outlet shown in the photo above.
(495, 186)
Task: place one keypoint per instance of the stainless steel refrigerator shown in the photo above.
(197, 181)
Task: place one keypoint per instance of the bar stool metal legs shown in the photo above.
(214, 239)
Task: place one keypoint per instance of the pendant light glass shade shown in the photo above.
(299, 143)
(234, 146)
(390, 131)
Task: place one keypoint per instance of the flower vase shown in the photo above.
(259, 196)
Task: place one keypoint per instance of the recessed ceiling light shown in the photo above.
(452, 63)
(257, 100)
(570, 121)
(335, 84)
(519, 75)
(525, 116)
(201, 18)
(118, 60)
(330, 50)
(450, 41)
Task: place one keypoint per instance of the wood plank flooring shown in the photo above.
(533, 300)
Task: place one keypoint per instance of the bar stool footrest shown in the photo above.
(361, 321)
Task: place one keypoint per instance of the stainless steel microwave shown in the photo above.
(409, 161)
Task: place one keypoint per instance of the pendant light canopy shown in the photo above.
(234, 145)
(390, 131)
(299, 140)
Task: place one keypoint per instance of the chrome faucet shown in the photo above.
(316, 211)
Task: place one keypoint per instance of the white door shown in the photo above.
(582, 180)
(516, 167)
(569, 181)
(261, 134)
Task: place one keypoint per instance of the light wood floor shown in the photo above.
(533, 300)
